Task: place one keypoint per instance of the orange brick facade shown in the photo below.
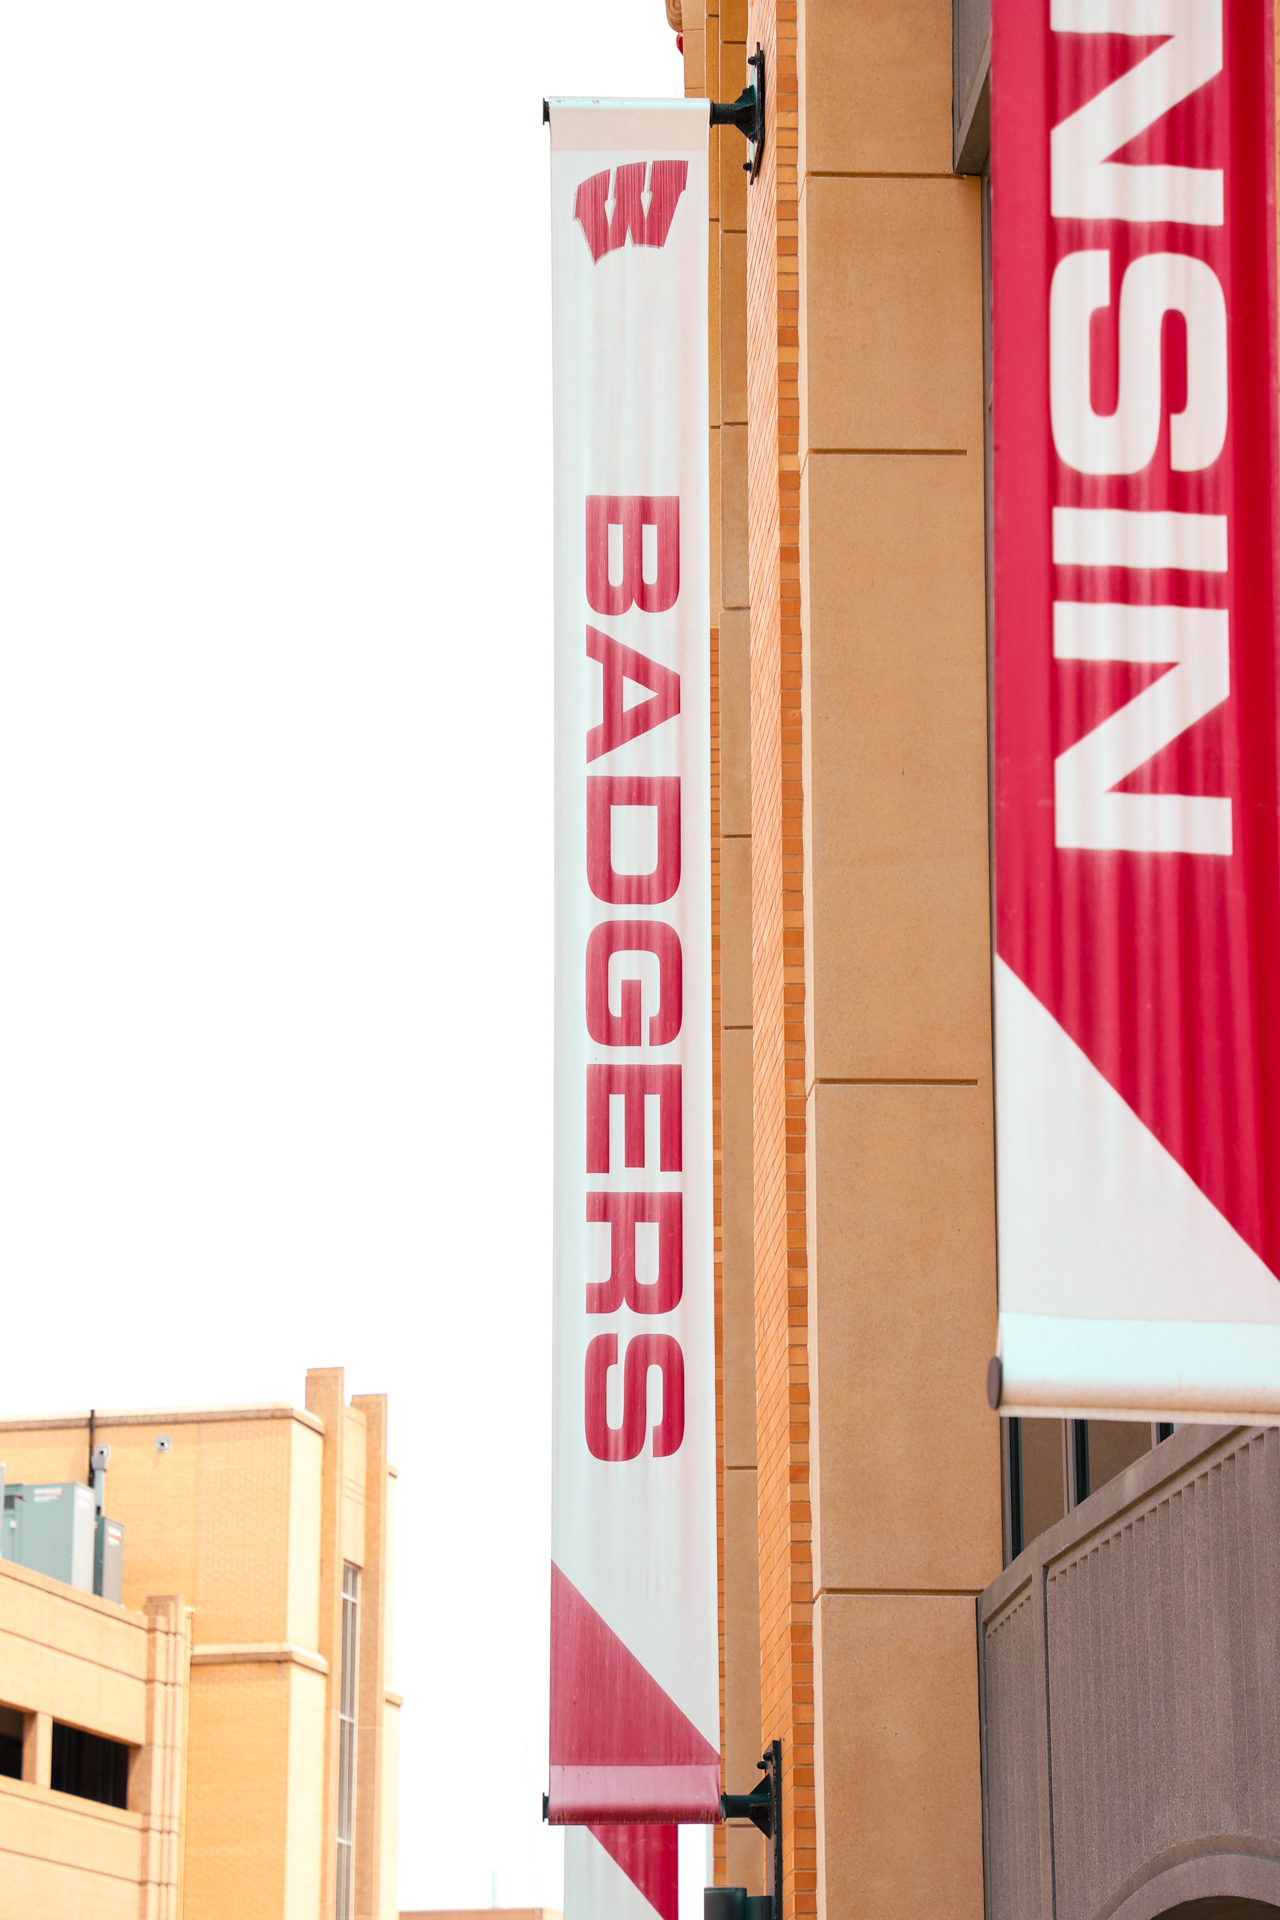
(754, 360)
(778, 931)
(777, 903)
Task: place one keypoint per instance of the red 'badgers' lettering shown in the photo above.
(633, 562)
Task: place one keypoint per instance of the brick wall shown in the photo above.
(782, 1385)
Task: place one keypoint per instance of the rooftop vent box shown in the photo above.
(54, 1529)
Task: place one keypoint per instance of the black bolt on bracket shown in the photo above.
(746, 113)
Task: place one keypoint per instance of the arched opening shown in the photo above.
(1221, 1906)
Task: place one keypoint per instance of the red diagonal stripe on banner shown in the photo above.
(620, 1746)
(650, 1858)
(606, 1709)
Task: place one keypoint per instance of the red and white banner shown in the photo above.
(1137, 867)
(634, 1653)
(621, 1873)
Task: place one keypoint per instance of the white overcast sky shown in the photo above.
(275, 776)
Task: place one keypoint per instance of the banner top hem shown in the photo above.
(604, 125)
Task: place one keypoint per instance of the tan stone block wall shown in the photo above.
(896, 768)
(892, 317)
(735, 721)
(734, 583)
(744, 1740)
(732, 182)
(66, 1859)
(158, 1775)
(744, 1857)
(735, 932)
(739, 1232)
(732, 336)
(713, 460)
(69, 1655)
(885, 106)
(899, 1807)
(906, 1469)
(899, 1175)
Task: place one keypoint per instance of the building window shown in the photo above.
(1050, 1466)
(347, 1737)
(12, 1727)
(89, 1766)
(1076, 1463)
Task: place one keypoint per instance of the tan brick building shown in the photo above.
(224, 1742)
(869, 1495)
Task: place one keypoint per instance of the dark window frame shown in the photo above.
(89, 1766)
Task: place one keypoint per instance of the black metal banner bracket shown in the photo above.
(763, 1808)
(746, 113)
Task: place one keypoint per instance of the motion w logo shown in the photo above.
(607, 228)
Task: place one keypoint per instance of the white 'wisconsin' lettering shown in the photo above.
(1086, 183)
(1194, 642)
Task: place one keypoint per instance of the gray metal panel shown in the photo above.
(1156, 1710)
(54, 1531)
(970, 84)
(1011, 1758)
(10, 1522)
(108, 1559)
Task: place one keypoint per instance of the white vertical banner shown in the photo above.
(634, 1656)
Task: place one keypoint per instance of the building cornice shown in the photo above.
(164, 1417)
(259, 1653)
